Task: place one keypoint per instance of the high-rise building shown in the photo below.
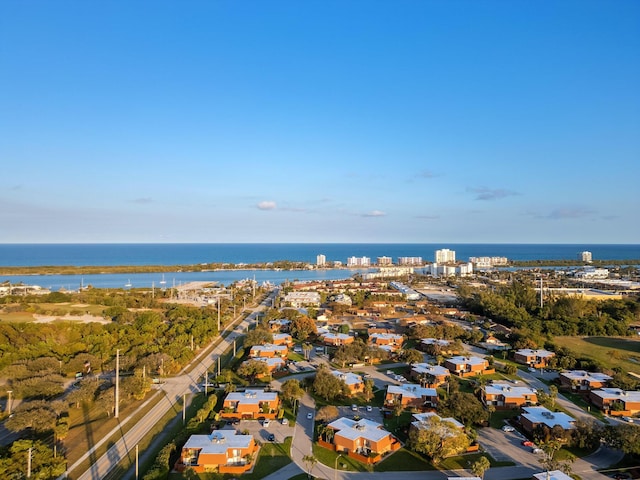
(445, 256)
(321, 260)
(358, 262)
(410, 261)
(585, 256)
(385, 261)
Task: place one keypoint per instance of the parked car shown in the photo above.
(528, 443)
(537, 451)
(508, 428)
(266, 422)
(354, 407)
(369, 408)
(271, 437)
(627, 419)
(285, 421)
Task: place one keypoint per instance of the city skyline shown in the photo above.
(336, 122)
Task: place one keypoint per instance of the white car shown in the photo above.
(266, 422)
(285, 421)
(369, 409)
(309, 415)
(508, 428)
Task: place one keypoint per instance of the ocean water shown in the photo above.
(196, 253)
(191, 254)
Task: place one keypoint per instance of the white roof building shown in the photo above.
(428, 369)
(411, 390)
(420, 420)
(218, 442)
(362, 428)
(509, 390)
(252, 396)
(544, 416)
(347, 377)
(552, 475)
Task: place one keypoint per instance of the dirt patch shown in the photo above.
(71, 318)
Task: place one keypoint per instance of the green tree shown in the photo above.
(438, 439)
(328, 413)
(412, 356)
(252, 369)
(480, 466)
(328, 386)
(257, 336)
(291, 391)
(464, 407)
(302, 326)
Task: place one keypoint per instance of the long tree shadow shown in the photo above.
(89, 433)
(614, 342)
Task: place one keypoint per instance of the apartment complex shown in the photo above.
(466, 366)
(362, 437)
(616, 401)
(353, 381)
(223, 451)
(579, 380)
(250, 404)
(411, 395)
(506, 396)
(533, 358)
(445, 256)
(429, 375)
(534, 416)
(358, 262)
(413, 261)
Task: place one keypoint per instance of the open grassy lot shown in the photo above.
(403, 460)
(609, 351)
(25, 313)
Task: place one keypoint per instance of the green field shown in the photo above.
(609, 351)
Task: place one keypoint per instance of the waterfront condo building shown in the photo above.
(585, 257)
(321, 260)
(358, 262)
(384, 261)
(445, 256)
(410, 261)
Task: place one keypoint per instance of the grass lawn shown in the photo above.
(272, 457)
(608, 351)
(403, 460)
(464, 461)
(328, 457)
(499, 416)
(579, 401)
(295, 357)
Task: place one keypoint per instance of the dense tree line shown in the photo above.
(517, 305)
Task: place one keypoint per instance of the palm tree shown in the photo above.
(310, 462)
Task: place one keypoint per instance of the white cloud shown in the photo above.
(267, 205)
(374, 213)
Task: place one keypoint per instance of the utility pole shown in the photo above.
(9, 392)
(116, 410)
(218, 366)
(234, 347)
(136, 462)
(218, 314)
(29, 463)
(184, 408)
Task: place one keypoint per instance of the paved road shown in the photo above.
(173, 391)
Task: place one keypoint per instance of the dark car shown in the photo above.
(271, 437)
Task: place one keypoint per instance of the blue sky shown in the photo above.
(320, 121)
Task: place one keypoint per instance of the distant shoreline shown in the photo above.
(289, 266)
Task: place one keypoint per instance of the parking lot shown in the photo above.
(374, 415)
(261, 432)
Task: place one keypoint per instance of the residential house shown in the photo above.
(353, 381)
(411, 395)
(387, 341)
(363, 437)
(504, 396)
(534, 416)
(302, 299)
(280, 325)
(533, 358)
(467, 366)
(429, 375)
(438, 346)
(551, 475)
(273, 364)
(420, 420)
(268, 350)
(581, 381)
(251, 404)
(282, 339)
(616, 401)
(223, 451)
(337, 339)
